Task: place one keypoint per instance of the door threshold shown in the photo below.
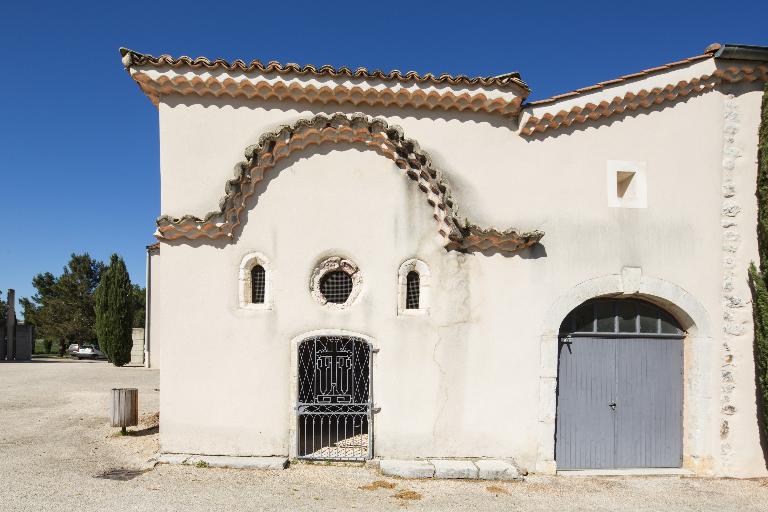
(626, 472)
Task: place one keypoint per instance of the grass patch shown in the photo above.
(377, 484)
(201, 464)
(407, 494)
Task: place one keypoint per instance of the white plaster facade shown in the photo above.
(476, 375)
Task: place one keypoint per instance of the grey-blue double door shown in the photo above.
(619, 403)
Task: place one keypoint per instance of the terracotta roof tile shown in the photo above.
(132, 58)
(708, 53)
(644, 98)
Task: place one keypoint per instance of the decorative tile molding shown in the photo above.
(158, 76)
(374, 134)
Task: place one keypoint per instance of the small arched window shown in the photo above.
(412, 290)
(254, 282)
(258, 284)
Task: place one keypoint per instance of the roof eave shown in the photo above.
(510, 80)
(742, 52)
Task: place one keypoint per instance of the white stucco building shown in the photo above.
(391, 268)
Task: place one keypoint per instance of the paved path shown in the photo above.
(56, 453)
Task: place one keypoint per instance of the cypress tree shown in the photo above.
(114, 312)
(759, 278)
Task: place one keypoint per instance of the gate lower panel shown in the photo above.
(334, 433)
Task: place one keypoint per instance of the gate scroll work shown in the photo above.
(334, 406)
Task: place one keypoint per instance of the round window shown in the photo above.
(336, 286)
(336, 282)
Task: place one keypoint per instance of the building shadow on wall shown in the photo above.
(262, 186)
(308, 109)
(218, 243)
(534, 252)
(553, 133)
(287, 162)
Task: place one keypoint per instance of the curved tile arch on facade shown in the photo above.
(375, 134)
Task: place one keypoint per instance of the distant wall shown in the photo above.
(25, 341)
(137, 351)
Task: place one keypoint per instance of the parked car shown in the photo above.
(89, 352)
(73, 348)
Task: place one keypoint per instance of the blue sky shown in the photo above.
(79, 167)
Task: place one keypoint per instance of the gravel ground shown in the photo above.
(57, 453)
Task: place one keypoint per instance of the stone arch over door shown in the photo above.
(693, 318)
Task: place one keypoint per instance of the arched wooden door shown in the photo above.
(620, 387)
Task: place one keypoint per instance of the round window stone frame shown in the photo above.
(329, 265)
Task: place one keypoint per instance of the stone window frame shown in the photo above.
(422, 269)
(332, 264)
(248, 262)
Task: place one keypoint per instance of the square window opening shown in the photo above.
(626, 185)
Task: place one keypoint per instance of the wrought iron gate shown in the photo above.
(334, 406)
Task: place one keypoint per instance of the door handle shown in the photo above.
(612, 405)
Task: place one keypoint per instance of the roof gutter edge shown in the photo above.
(742, 52)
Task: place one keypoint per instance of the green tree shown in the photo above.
(3, 306)
(63, 308)
(139, 304)
(114, 312)
(759, 277)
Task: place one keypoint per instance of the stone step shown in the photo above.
(482, 469)
(224, 461)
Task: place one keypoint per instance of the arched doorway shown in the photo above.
(334, 399)
(620, 387)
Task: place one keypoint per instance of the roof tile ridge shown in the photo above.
(132, 58)
(708, 53)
